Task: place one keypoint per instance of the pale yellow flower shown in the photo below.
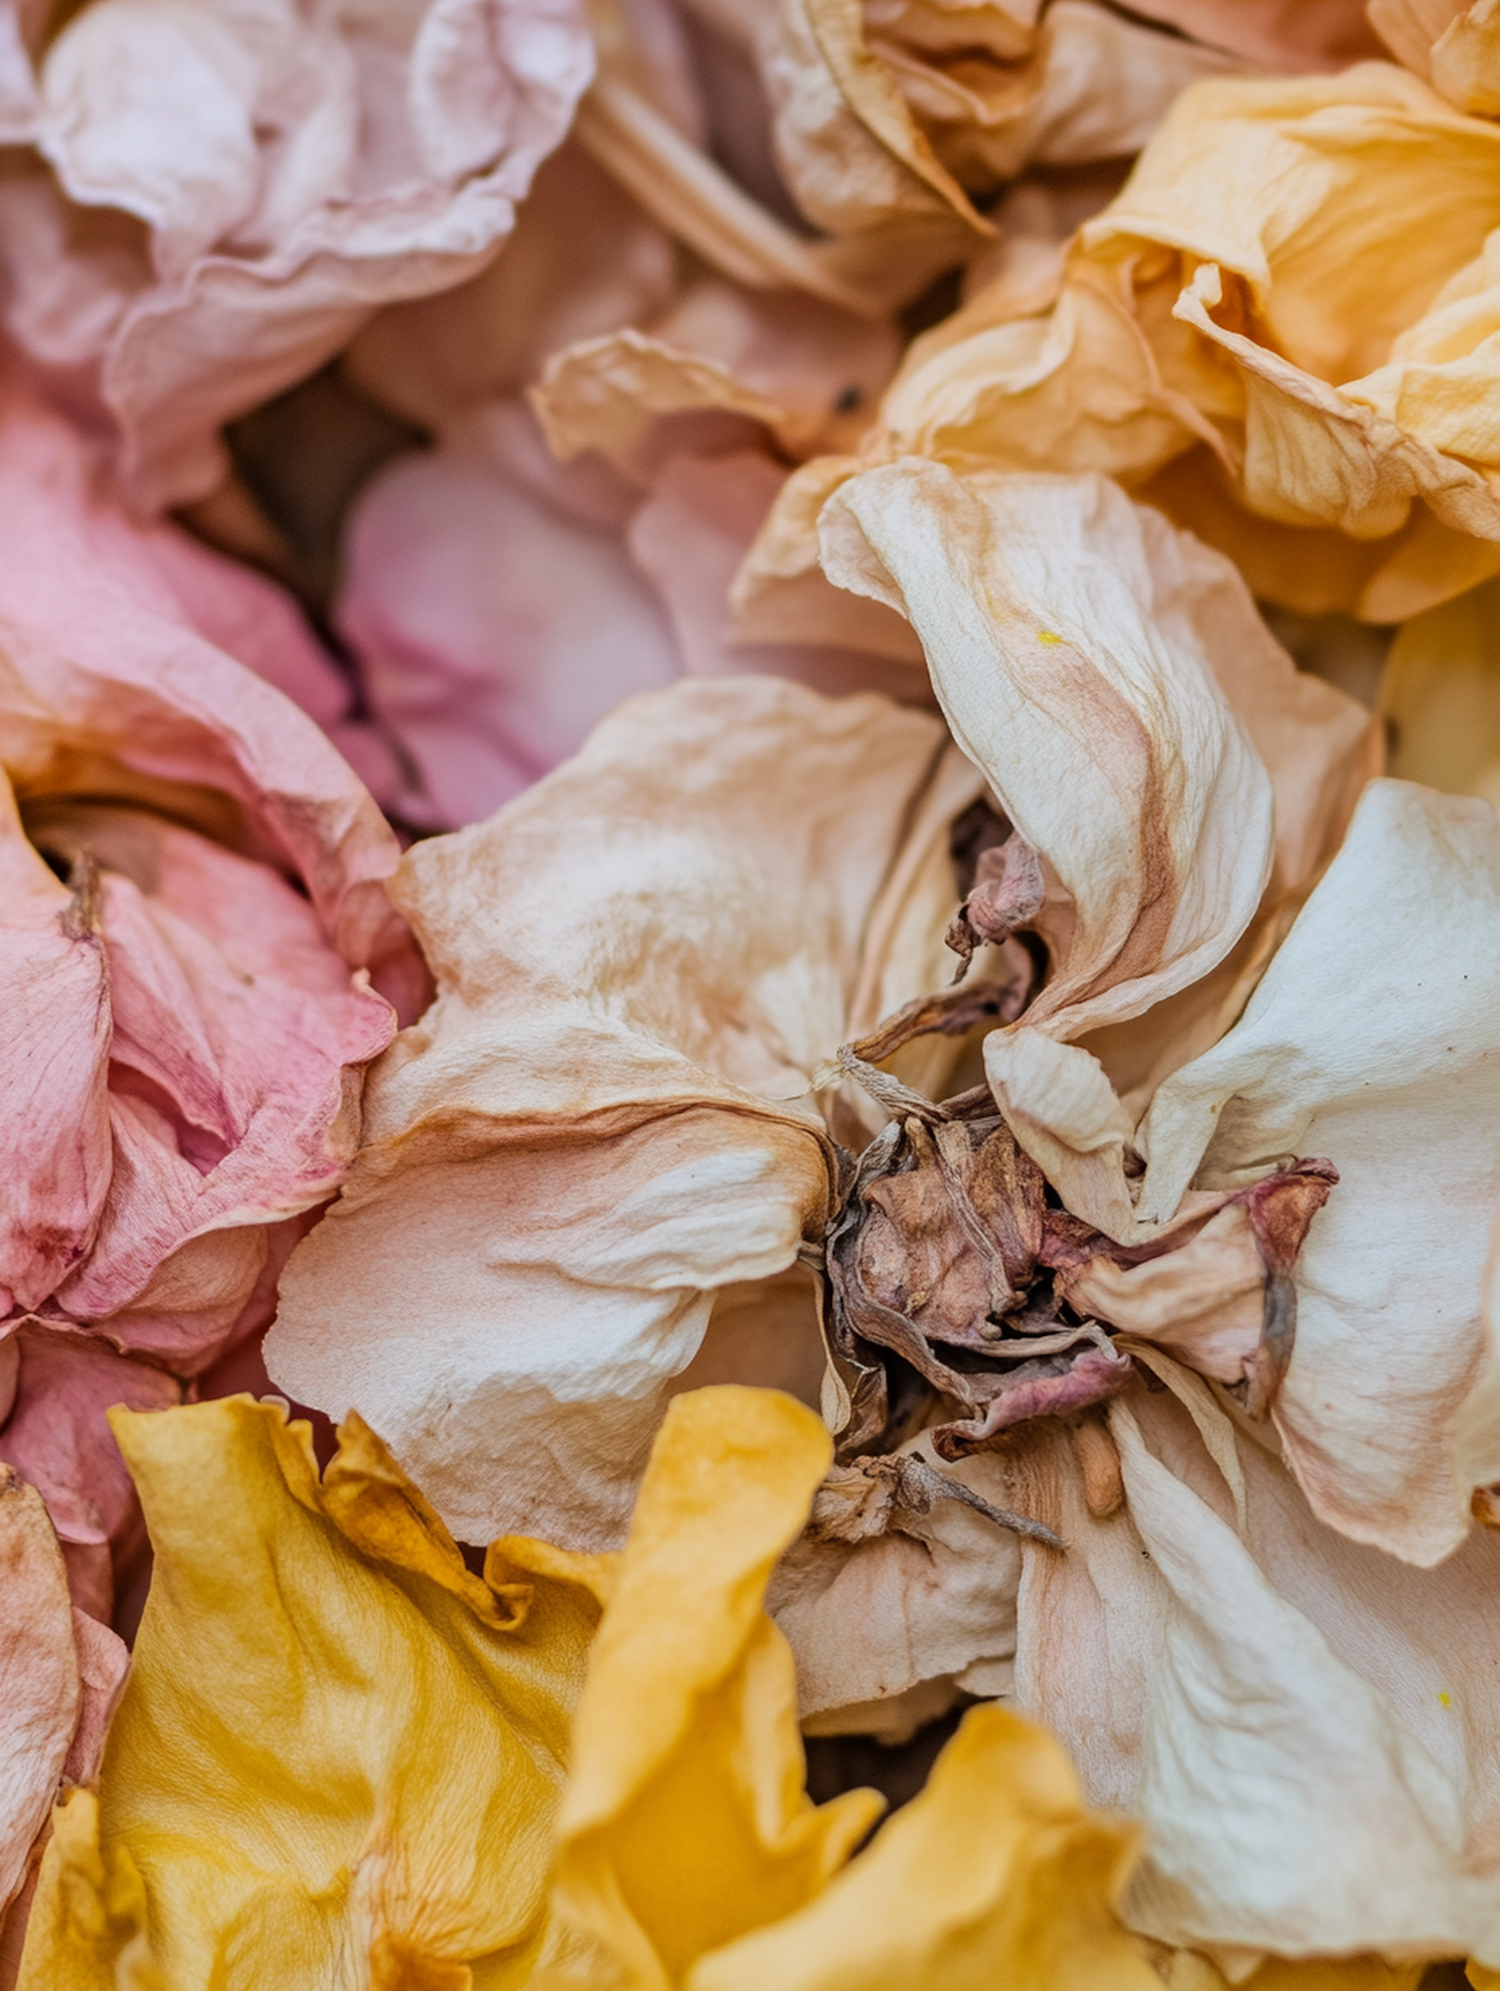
(339, 1758)
(340, 1752)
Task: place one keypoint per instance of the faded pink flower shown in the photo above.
(192, 917)
(217, 196)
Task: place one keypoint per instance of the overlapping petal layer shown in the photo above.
(194, 907)
(605, 1118)
(1224, 335)
(220, 196)
(397, 1820)
(338, 1747)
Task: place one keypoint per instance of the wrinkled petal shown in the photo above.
(336, 1740)
(1352, 1048)
(98, 648)
(805, 371)
(994, 1873)
(688, 1716)
(287, 177)
(57, 1435)
(1099, 723)
(605, 1119)
(1303, 1724)
(39, 1688)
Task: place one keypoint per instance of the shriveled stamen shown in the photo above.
(874, 1496)
(1008, 892)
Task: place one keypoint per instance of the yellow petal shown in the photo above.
(994, 1875)
(338, 1749)
(685, 1823)
(1440, 696)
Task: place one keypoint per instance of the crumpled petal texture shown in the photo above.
(252, 183)
(428, 1798)
(1306, 1724)
(605, 1118)
(1349, 1048)
(1222, 336)
(1098, 666)
(60, 1674)
(338, 1746)
(194, 906)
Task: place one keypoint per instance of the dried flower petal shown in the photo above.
(391, 1796)
(606, 1116)
(262, 182)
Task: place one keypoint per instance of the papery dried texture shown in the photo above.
(686, 1849)
(605, 1118)
(187, 1022)
(806, 372)
(1306, 1725)
(920, 1600)
(1167, 770)
(388, 1800)
(650, 133)
(685, 1824)
(60, 1676)
(1454, 47)
(908, 110)
(1219, 339)
(246, 188)
(1386, 1413)
(499, 603)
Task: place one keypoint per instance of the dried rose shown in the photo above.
(1000, 1280)
(195, 905)
(1225, 335)
(644, 1102)
(217, 197)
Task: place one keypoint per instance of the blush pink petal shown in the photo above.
(101, 658)
(247, 186)
(493, 629)
(234, 1063)
(54, 1125)
(57, 1439)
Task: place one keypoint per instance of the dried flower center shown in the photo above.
(959, 1284)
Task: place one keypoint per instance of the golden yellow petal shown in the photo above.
(995, 1875)
(685, 1824)
(338, 1748)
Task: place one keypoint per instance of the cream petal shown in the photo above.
(1302, 1722)
(1371, 1041)
(605, 1118)
(868, 1623)
(1038, 602)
